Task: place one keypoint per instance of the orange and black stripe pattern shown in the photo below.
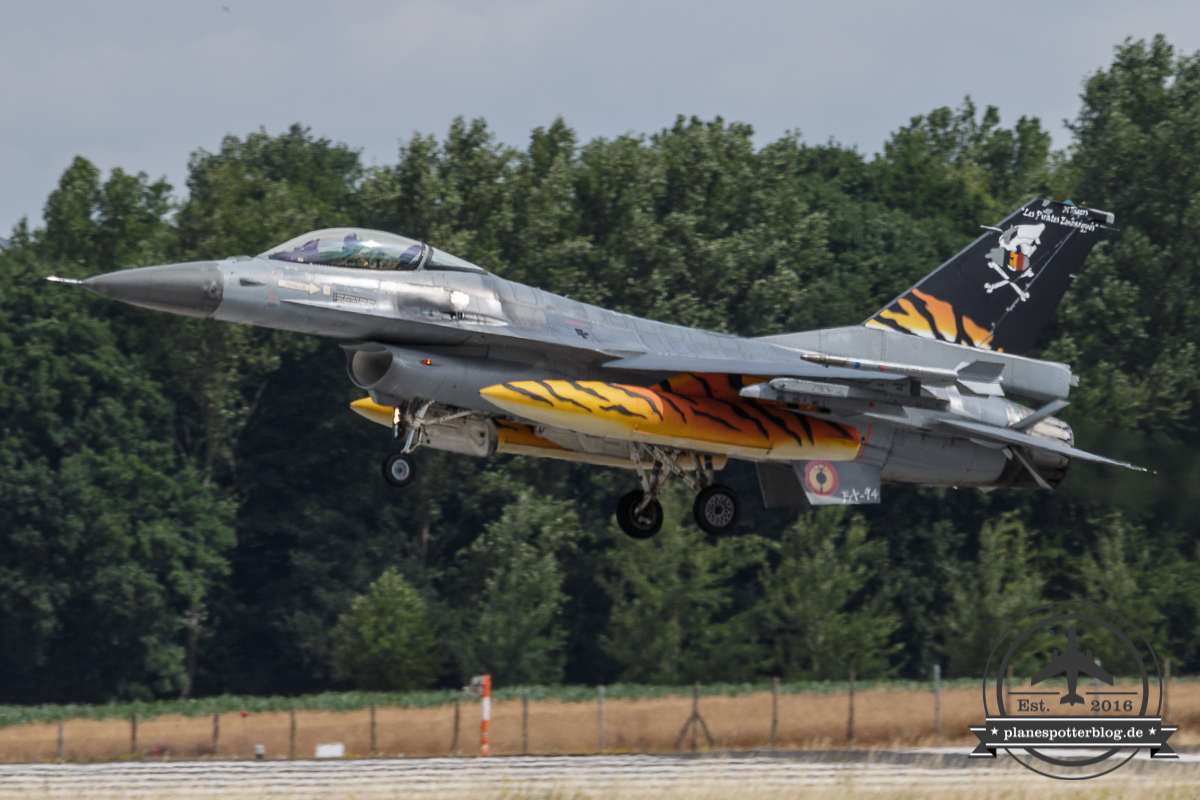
(688, 411)
(924, 315)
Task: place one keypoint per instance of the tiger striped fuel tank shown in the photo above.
(729, 426)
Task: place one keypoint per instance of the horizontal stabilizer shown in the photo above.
(1010, 436)
(653, 362)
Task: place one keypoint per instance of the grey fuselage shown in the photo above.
(471, 315)
(476, 329)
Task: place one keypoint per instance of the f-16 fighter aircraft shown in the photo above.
(454, 358)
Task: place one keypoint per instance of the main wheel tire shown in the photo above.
(717, 509)
(643, 525)
(399, 470)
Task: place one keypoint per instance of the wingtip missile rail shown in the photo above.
(932, 375)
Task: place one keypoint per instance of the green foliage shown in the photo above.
(120, 223)
(258, 192)
(672, 616)
(992, 594)
(109, 542)
(1124, 574)
(952, 164)
(190, 507)
(824, 619)
(384, 642)
(1137, 155)
(513, 626)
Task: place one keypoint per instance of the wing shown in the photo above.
(1010, 436)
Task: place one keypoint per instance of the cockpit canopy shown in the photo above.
(366, 249)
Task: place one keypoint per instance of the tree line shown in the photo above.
(190, 508)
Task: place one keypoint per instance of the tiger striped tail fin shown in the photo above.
(999, 292)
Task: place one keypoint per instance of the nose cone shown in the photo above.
(194, 288)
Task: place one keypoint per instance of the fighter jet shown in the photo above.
(1071, 662)
(455, 358)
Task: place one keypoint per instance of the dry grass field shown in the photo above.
(884, 718)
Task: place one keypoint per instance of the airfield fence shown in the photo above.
(525, 720)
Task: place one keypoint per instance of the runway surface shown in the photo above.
(464, 776)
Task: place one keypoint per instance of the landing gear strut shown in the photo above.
(407, 422)
(399, 468)
(408, 426)
(639, 513)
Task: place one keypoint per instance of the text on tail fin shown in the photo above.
(999, 292)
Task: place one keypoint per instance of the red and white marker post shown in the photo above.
(482, 684)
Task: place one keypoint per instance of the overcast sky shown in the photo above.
(142, 84)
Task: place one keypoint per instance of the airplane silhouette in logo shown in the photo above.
(1072, 662)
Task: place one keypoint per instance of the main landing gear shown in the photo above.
(717, 509)
(639, 513)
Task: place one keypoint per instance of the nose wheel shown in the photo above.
(717, 509)
(399, 469)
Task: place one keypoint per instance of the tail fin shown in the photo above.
(999, 292)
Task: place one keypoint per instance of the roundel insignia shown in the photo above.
(820, 478)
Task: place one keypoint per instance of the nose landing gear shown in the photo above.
(400, 468)
(410, 424)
